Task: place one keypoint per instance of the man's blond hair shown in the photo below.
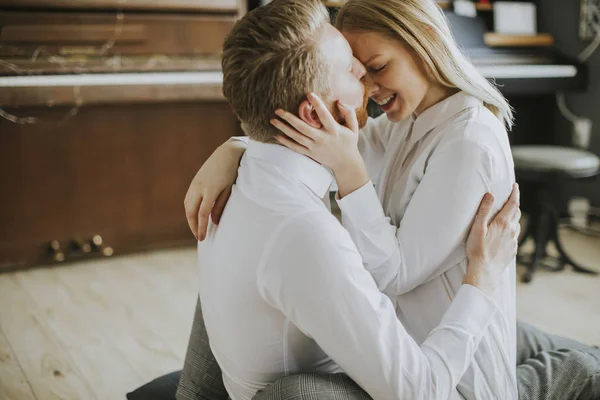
(271, 60)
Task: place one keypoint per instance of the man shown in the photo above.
(296, 272)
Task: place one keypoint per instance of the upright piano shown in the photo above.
(107, 110)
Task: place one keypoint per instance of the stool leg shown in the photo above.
(552, 235)
(541, 240)
(532, 223)
(563, 255)
(530, 231)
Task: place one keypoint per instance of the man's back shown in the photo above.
(254, 343)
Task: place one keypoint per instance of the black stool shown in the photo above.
(544, 169)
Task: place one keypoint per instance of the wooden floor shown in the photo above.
(95, 330)
(99, 329)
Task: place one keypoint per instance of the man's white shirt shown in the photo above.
(284, 290)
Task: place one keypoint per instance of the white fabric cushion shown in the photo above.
(554, 158)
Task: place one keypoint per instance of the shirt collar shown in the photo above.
(315, 176)
(441, 112)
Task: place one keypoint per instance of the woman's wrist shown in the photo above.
(351, 176)
(235, 149)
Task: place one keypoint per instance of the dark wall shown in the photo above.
(561, 19)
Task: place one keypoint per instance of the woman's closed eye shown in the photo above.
(379, 69)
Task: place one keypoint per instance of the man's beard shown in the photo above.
(361, 112)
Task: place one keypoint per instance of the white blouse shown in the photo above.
(429, 175)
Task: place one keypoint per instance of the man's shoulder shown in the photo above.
(312, 239)
(315, 226)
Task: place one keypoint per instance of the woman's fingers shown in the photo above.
(292, 133)
(220, 204)
(349, 116)
(193, 224)
(191, 204)
(300, 126)
(325, 116)
(292, 145)
(203, 215)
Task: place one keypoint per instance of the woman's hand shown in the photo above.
(211, 187)
(492, 243)
(331, 144)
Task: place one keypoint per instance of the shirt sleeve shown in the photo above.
(314, 275)
(432, 233)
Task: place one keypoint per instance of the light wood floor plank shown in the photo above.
(164, 295)
(174, 277)
(49, 369)
(13, 384)
(83, 332)
(176, 283)
(127, 314)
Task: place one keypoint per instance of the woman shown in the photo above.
(440, 146)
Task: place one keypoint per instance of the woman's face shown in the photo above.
(395, 75)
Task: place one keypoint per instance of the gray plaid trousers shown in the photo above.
(549, 368)
(201, 378)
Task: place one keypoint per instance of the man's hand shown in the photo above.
(492, 243)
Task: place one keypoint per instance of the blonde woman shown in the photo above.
(410, 182)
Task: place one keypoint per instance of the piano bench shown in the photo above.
(543, 170)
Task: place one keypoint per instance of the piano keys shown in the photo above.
(527, 71)
(90, 89)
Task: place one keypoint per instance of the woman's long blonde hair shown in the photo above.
(421, 24)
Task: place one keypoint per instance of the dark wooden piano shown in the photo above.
(107, 110)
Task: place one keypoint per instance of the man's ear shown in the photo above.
(307, 113)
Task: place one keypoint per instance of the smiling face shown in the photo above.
(396, 78)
